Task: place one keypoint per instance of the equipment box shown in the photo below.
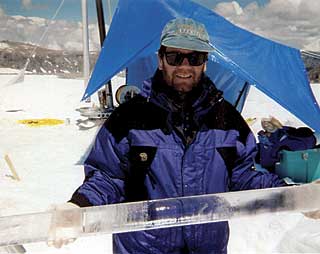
(301, 166)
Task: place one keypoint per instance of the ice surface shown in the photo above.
(155, 214)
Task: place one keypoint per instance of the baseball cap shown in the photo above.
(186, 33)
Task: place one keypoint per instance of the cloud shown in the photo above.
(27, 4)
(291, 22)
(61, 34)
(228, 9)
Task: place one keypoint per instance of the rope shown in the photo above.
(47, 29)
(20, 76)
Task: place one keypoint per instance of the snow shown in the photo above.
(43, 70)
(267, 106)
(313, 46)
(11, 71)
(4, 45)
(8, 70)
(48, 161)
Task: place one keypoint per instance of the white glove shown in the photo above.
(314, 214)
(66, 224)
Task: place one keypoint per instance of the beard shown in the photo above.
(182, 81)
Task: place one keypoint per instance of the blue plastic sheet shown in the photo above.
(240, 56)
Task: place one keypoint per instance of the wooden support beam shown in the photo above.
(12, 168)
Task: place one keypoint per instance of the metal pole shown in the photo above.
(101, 23)
(85, 37)
(102, 33)
(110, 13)
(241, 93)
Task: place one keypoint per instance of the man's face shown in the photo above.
(184, 76)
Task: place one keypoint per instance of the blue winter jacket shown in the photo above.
(155, 146)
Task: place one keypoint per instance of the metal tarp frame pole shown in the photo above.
(102, 33)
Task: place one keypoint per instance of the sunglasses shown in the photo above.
(194, 58)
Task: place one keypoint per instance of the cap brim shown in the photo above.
(190, 44)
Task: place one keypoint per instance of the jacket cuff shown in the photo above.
(80, 200)
(289, 182)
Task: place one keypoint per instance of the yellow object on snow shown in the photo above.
(40, 122)
(251, 120)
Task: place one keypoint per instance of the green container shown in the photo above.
(301, 166)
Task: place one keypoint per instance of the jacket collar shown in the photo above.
(203, 96)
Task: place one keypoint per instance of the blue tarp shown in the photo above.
(240, 56)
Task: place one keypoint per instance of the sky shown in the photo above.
(291, 22)
(72, 8)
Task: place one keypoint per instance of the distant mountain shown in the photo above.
(312, 65)
(44, 61)
(70, 63)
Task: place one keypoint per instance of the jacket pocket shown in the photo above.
(140, 160)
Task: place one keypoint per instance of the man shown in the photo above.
(179, 137)
(276, 137)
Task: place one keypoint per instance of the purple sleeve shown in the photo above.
(104, 172)
(244, 176)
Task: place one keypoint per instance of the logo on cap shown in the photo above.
(185, 29)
